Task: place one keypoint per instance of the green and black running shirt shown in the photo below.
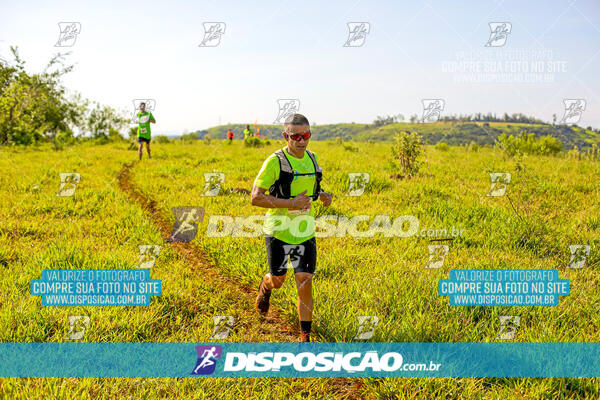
(301, 223)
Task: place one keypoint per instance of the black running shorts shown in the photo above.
(142, 139)
(303, 256)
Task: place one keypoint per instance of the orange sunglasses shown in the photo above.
(298, 136)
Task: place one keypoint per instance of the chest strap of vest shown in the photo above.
(282, 187)
(318, 176)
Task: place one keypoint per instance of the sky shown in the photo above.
(271, 50)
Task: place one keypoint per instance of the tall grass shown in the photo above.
(555, 204)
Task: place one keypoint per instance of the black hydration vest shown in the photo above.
(281, 189)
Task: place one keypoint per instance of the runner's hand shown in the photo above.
(301, 201)
(325, 198)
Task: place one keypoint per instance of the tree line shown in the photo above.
(36, 107)
(476, 117)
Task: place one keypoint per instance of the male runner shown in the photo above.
(247, 132)
(297, 240)
(144, 119)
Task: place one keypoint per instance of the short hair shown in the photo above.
(296, 119)
(142, 103)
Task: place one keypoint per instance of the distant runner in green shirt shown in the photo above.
(292, 185)
(247, 132)
(144, 119)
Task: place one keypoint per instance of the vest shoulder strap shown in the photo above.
(284, 163)
(318, 176)
(313, 159)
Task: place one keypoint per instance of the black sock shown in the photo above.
(305, 325)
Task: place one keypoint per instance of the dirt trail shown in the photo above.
(274, 327)
(274, 324)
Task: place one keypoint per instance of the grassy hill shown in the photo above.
(453, 133)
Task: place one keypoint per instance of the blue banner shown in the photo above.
(300, 359)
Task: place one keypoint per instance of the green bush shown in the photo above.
(574, 154)
(63, 139)
(253, 142)
(527, 143)
(162, 139)
(593, 153)
(187, 137)
(473, 147)
(406, 150)
(442, 146)
(349, 147)
(133, 133)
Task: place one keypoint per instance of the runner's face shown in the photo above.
(297, 146)
(142, 107)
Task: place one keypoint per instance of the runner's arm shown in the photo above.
(260, 199)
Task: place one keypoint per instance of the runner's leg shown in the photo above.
(276, 275)
(273, 281)
(304, 276)
(305, 298)
(140, 149)
(277, 263)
